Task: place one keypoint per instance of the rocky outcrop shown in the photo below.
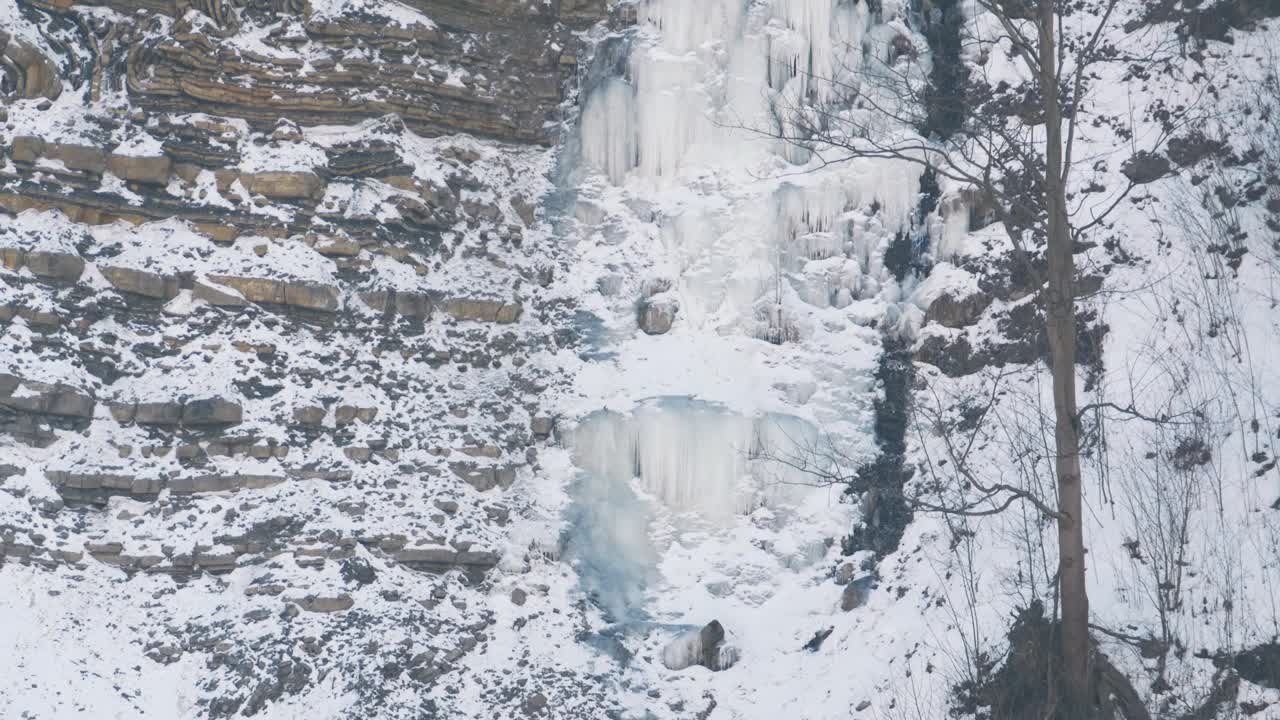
(44, 398)
(29, 72)
(292, 316)
(483, 477)
(284, 185)
(87, 159)
(211, 411)
(417, 306)
(310, 296)
(151, 169)
(443, 559)
(192, 413)
(497, 73)
(141, 282)
(48, 265)
(494, 311)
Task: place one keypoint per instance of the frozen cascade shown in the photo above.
(698, 75)
(689, 455)
(777, 264)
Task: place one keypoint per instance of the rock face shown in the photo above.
(274, 276)
(496, 72)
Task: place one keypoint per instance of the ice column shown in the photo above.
(608, 129)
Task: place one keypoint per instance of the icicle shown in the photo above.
(608, 129)
(821, 45)
(690, 24)
(688, 454)
(671, 110)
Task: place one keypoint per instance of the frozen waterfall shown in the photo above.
(696, 105)
(774, 259)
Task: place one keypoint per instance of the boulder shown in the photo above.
(707, 647)
(309, 415)
(657, 314)
(856, 593)
(542, 427)
(345, 414)
(26, 149)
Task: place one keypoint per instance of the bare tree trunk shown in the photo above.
(1060, 314)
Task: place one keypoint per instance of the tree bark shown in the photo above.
(1060, 314)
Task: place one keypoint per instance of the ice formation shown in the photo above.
(776, 263)
(669, 455)
(704, 89)
(608, 136)
(753, 238)
(819, 47)
(690, 455)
